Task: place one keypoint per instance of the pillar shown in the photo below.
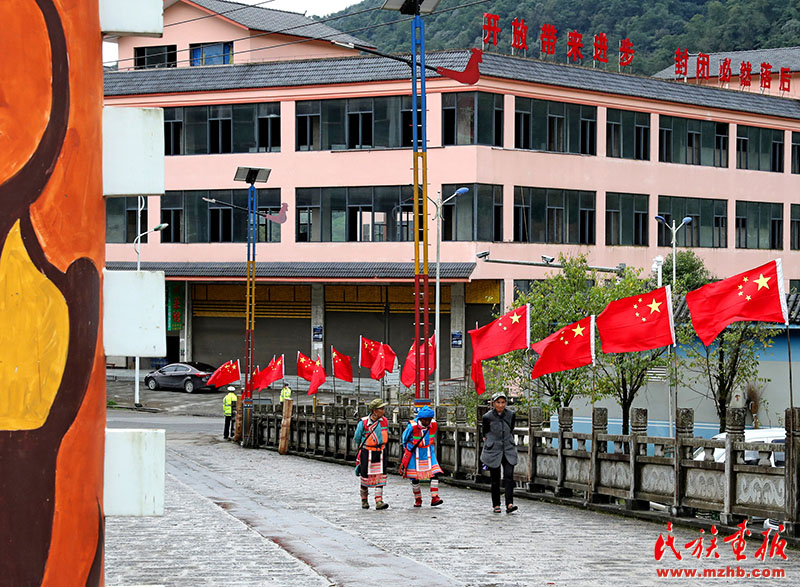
(457, 324)
(318, 321)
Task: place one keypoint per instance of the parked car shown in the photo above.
(766, 435)
(189, 376)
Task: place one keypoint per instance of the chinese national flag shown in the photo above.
(510, 332)
(269, 374)
(383, 362)
(427, 355)
(367, 349)
(227, 373)
(638, 323)
(342, 369)
(311, 371)
(756, 295)
(250, 386)
(569, 348)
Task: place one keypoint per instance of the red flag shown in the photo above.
(227, 373)
(250, 386)
(269, 374)
(757, 295)
(367, 349)
(638, 323)
(510, 332)
(568, 348)
(427, 355)
(384, 361)
(311, 371)
(342, 369)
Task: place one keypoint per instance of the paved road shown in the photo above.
(253, 517)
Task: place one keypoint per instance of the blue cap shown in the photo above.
(426, 412)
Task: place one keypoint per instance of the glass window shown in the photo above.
(268, 132)
(210, 53)
(795, 152)
(627, 134)
(759, 225)
(158, 56)
(173, 131)
(795, 227)
(237, 128)
(472, 118)
(220, 129)
(547, 215)
(172, 215)
(626, 219)
(555, 126)
(474, 216)
(121, 220)
(760, 149)
(269, 202)
(308, 121)
(692, 142)
(707, 229)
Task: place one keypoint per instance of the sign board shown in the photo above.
(134, 320)
(457, 339)
(316, 335)
(135, 471)
(176, 302)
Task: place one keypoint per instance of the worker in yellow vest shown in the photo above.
(227, 409)
(286, 392)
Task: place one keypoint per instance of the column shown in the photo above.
(457, 324)
(318, 321)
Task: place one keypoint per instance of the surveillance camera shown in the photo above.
(482, 255)
(547, 259)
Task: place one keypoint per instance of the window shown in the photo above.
(555, 126)
(359, 123)
(173, 131)
(210, 53)
(204, 222)
(269, 127)
(158, 56)
(626, 219)
(692, 142)
(355, 214)
(796, 152)
(546, 215)
(759, 149)
(795, 227)
(308, 119)
(472, 118)
(220, 129)
(269, 202)
(121, 220)
(628, 134)
(474, 216)
(794, 286)
(759, 225)
(172, 214)
(707, 229)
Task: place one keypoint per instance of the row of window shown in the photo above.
(471, 118)
(167, 55)
(386, 213)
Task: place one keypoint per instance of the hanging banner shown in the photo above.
(176, 302)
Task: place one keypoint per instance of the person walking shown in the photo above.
(227, 409)
(286, 392)
(499, 449)
(419, 458)
(371, 436)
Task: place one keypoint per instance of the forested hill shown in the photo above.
(656, 27)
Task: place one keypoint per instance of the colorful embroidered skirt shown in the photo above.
(373, 468)
(423, 464)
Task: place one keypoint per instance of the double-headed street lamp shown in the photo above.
(674, 228)
(439, 203)
(157, 228)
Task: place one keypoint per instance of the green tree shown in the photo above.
(691, 272)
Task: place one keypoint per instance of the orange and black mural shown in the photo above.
(52, 383)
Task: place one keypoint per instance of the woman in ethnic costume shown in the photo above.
(372, 435)
(418, 440)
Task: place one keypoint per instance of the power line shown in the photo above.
(213, 14)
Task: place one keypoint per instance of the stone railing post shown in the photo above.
(636, 449)
(564, 426)
(535, 416)
(734, 428)
(327, 412)
(599, 426)
(684, 428)
(792, 472)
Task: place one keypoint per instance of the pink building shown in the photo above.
(558, 159)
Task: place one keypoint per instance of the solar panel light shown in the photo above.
(482, 255)
(411, 7)
(252, 175)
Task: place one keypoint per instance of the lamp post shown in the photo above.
(439, 203)
(157, 228)
(549, 262)
(674, 230)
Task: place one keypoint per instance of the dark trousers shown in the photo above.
(508, 479)
(228, 430)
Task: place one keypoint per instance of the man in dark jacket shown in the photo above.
(499, 449)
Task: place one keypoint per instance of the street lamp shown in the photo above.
(658, 264)
(157, 228)
(549, 262)
(674, 229)
(439, 203)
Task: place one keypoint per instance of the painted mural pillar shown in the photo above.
(458, 325)
(52, 218)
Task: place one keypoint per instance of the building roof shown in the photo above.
(361, 271)
(268, 20)
(777, 58)
(273, 74)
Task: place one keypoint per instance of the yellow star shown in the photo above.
(635, 306)
(566, 342)
(655, 306)
(748, 298)
(515, 318)
(644, 319)
(578, 330)
(561, 338)
(745, 280)
(741, 293)
(302, 359)
(762, 281)
(740, 286)
(637, 314)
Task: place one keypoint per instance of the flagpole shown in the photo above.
(789, 347)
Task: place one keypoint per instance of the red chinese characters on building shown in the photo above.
(766, 76)
(725, 71)
(785, 79)
(626, 52)
(681, 62)
(520, 35)
(663, 543)
(548, 39)
(574, 46)
(745, 69)
(491, 28)
(703, 66)
(600, 48)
